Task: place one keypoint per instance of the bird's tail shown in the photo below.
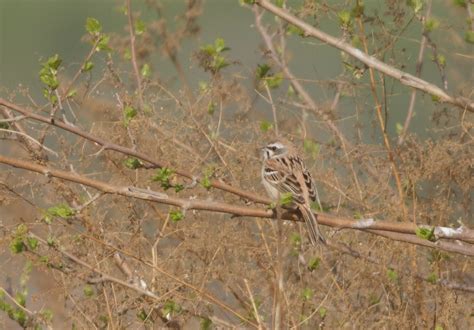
(309, 217)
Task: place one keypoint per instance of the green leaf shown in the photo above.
(314, 263)
(220, 45)
(176, 215)
(286, 199)
(392, 275)
(399, 128)
(249, 2)
(17, 245)
(142, 315)
(431, 24)
(469, 37)
(416, 5)
(274, 81)
(32, 243)
(132, 163)
(307, 294)
(170, 307)
(211, 108)
(206, 182)
(129, 113)
(47, 314)
(61, 211)
(322, 312)
(93, 26)
(103, 43)
(146, 70)
(88, 65)
(262, 70)
(205, 324)
(344, 17)
(4, 125)
(163, 176)
(432, 278)
(265, 126)
(140, 27)
(71, 93)
(426, 233)
(293, 29)
(311, 148)
(295, 239)
(441, 59)
(54, 62)
(178, 187)
(88, 291)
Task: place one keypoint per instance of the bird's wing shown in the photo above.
(282, 178)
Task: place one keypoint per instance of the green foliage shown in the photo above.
(274, 81)
(170, 308)
(93, 26)
(311, 147)
(17, 244)
(207, 175)
(295, 239)
(4, 125)
(142, 315)
(32, 243)
(322, 312)
(132, 163)
(460, 3)
(51, 241)
(431, 24)
(205, 324)
(129, 113)
(399, 128)
(262, 70)
(293, 29)
(213, 52)
(426, 233)
(211, 108)
(265, 126)
(60, 211)
(140, 27)
(432, 278)
(248, 2)
(345, 18)
(88, 291)
(49, 76)
(314, 263)
(88, 66)
(286, 199)
(307, 294)
(163, 176)
(416, 5)
(103, 43)
(392, 275)
(176, 215)
(146, 70)
(469, 37)
(71, 93)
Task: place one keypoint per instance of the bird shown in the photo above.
(283, 171)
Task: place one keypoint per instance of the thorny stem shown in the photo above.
(378, 108)
(136, 71)
(419, 66)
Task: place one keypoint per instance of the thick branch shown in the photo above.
(372, 62)
(379, 228)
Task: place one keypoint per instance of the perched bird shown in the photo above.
(283, 171)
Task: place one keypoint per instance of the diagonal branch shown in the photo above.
(372, 62)
(396, 231)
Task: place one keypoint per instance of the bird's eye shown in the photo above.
(273, 148)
